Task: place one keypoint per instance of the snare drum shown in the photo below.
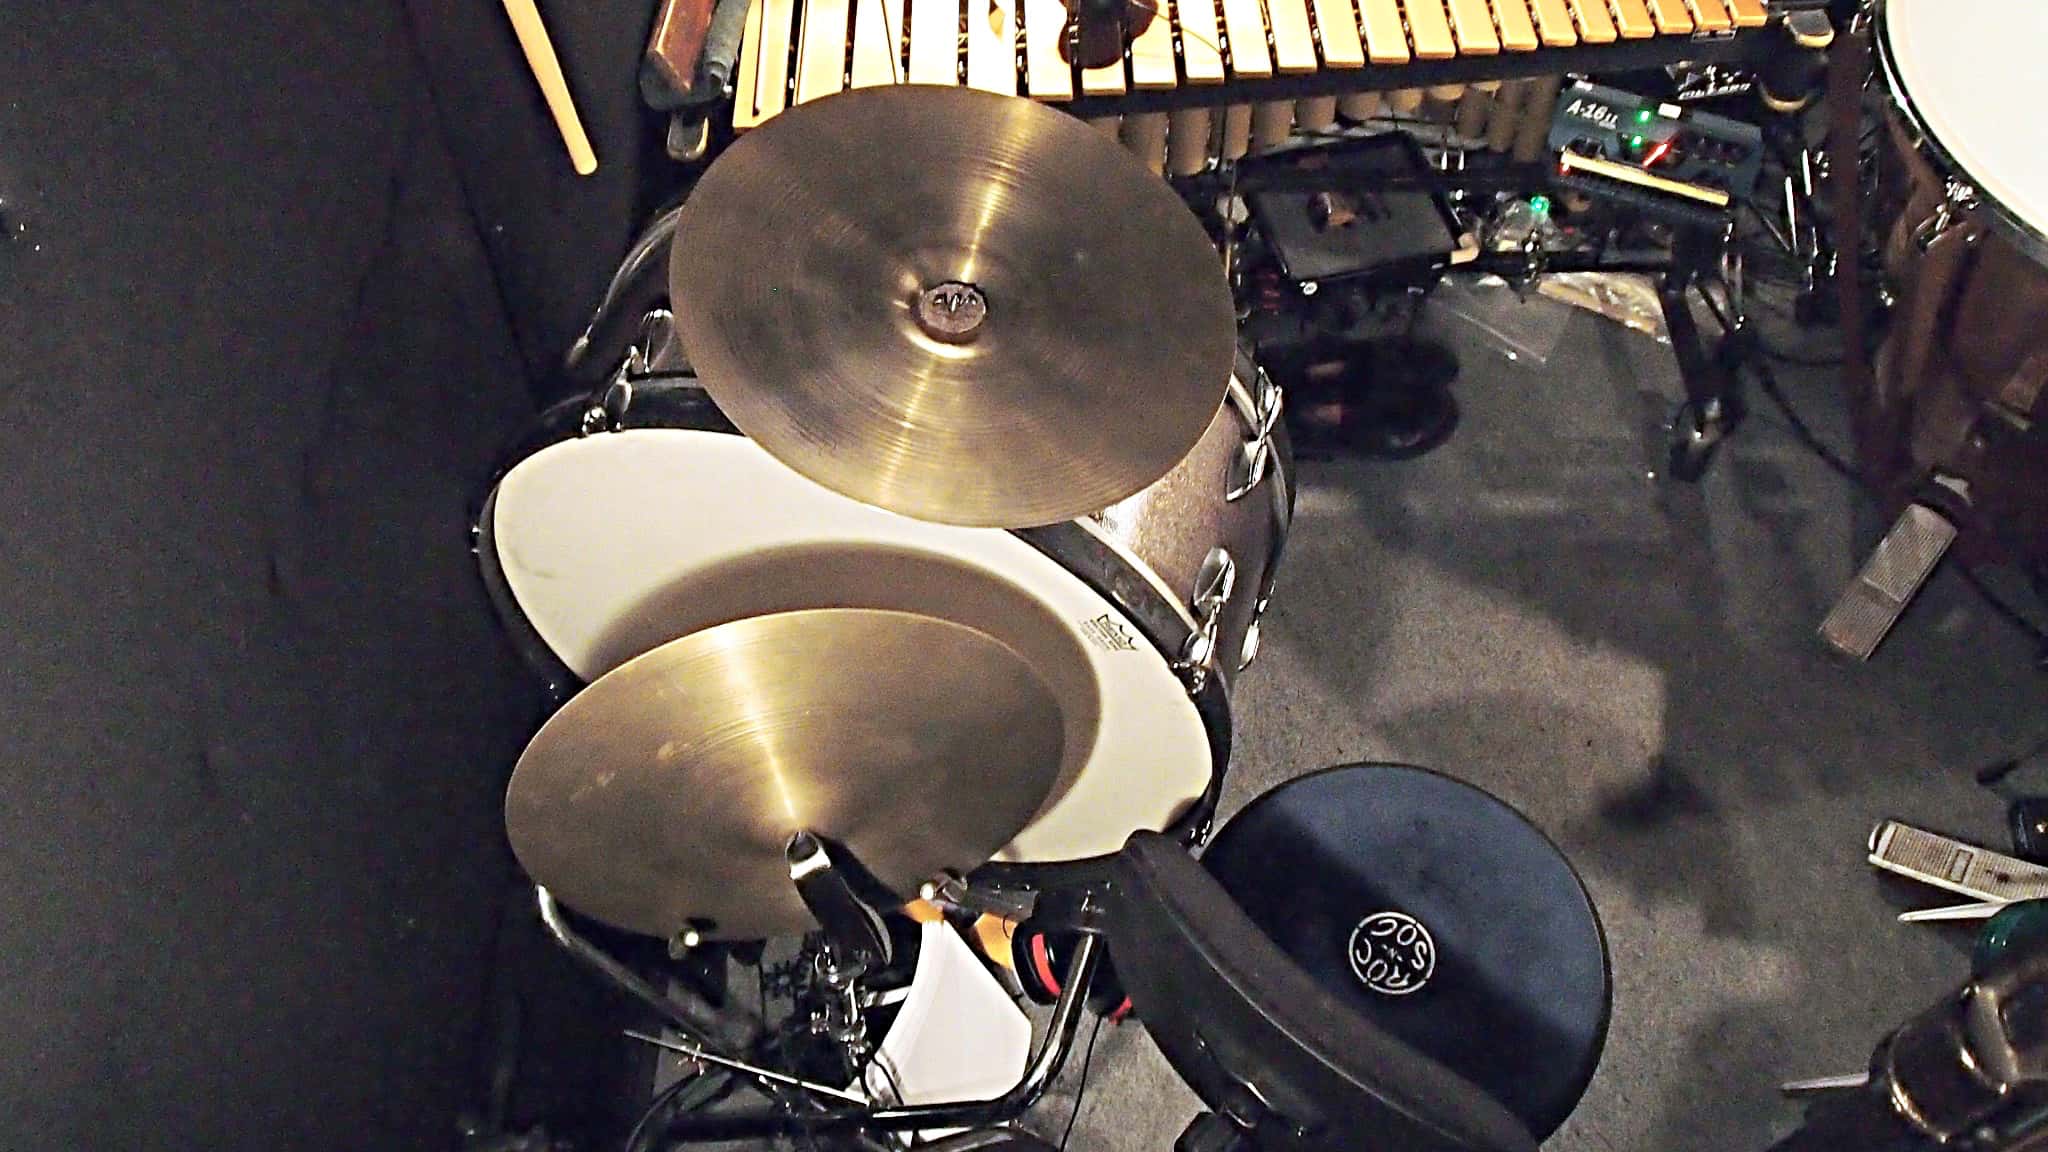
(1962, 206)
(641, 515)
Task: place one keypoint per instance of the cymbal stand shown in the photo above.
(829, 879)
(704, 1027)
(639, 286)
(855, 940)
(1038, 1076)
(765, 1075)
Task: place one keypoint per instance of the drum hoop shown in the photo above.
(679, 405)
(2031, 240)
(558, 683)
(670, 402)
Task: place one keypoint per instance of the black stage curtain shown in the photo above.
(257, 353)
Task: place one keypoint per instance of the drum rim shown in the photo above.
(1585, 1078)
(558, 683)
(2029, 238)
(1081, 553)
(558, 423)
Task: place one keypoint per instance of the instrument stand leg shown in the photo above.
(688, 1014)
(1713, 401)
(1812, 244)
(1801, 231)
(1240, 1119)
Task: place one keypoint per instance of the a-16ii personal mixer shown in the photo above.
(1608, 141)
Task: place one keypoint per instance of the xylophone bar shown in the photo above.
(1450, 74)
(1221, 77)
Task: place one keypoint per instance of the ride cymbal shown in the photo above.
(962, 307)
(661, 797)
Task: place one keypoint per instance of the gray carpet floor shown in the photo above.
(1632, 663)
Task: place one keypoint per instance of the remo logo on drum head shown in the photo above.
(1392, 953)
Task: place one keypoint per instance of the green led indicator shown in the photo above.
(1540, 205)
(1643, 116)
(1635, 141)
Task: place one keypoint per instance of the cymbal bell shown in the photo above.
(962, 307)
(662, 796)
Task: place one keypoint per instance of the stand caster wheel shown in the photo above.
(1696, 434)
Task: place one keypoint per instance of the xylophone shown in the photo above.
(1224, 77)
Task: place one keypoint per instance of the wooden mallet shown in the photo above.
(547, 71)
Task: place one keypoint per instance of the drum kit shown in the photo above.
(903, 572)
(906, 565)
(913, 550)
(946, 551)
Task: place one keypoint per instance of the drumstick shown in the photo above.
(547, 71)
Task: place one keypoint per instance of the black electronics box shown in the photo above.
(1364, 210)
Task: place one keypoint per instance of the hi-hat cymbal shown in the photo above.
(661, 797)
(963, 307)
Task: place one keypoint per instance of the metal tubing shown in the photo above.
(1066, 1020)
(695, 1018)
(635, 278)
(703, 1056)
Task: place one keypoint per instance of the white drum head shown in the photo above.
(614, 544)
(1967, 72)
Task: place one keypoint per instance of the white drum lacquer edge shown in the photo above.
(587, 529)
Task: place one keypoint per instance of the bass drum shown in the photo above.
(640, 515)
(1960, 382)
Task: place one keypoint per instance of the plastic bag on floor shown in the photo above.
(1627, 298)
(1525, 329)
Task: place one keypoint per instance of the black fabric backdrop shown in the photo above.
(554, 238)
(254, 363)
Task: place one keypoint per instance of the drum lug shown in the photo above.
(1958, 201)
(1247, 468)
(1249, 650)
(1214, 584)
(608, 411)
(1259, 404)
